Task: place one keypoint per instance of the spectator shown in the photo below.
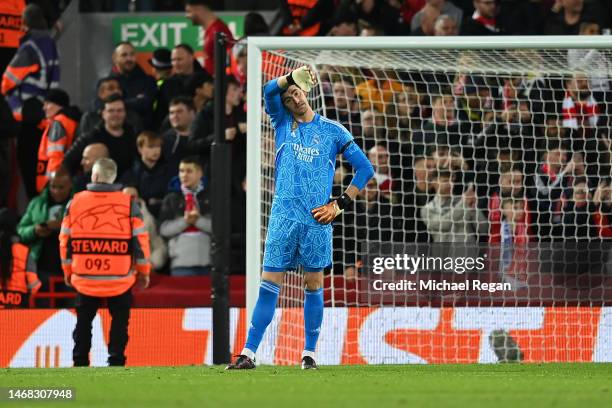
(441, 128)
(578, 221)
(372, 129)
(580, 109)
(376, 13)
(550, 181)
(149, 173)
(255, 25)
(162, 65)
(202, 134)
(201, 87)
(32, 72)
(518, 259)
(417, 192)
(379, 157)
(345, 106)
(511, 186)
(139, 89)
(91, 154)
(200, 13)
(452, 219)
(176, 139)
(118, 137)
(183, 61)
(441, 7)
(567, 20)
(17, 268)
(238, 62)
(344, 25)
(34, 69)
(376, 93)
(484, 20)
(602, 203)
(185, 222)
(304, 18)
(475, 109)
(515, 222)
(184, 65)
(59, 134)
(40, 225)
(445, 25)
(106, 87)
(404, 113)
(159, 250)
(595, 63)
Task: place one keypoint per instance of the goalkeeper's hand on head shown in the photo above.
(303, 77)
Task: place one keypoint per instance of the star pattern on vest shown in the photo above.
(109, 215)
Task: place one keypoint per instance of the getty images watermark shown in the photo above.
(427, 273)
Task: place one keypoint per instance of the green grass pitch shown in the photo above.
(465, 386)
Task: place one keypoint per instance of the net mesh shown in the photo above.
(498, 154)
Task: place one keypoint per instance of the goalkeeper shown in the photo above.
(300, 231)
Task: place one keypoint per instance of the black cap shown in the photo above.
(161, 59)
(58, 97)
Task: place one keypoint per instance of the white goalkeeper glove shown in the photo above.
(302, 77)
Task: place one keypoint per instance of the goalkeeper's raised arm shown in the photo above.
(299, 230)
(315, 141)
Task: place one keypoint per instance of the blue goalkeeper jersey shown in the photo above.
(305, 159)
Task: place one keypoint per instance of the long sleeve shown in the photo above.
(25, 228)
(140, 241)
(172, 228)
(64, 243)
(274, 104)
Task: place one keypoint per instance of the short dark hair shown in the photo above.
(184, 100)
(198, 79)
(186, 47)
(34, 18)
(113, 98)
(106, 79)
(195, 160)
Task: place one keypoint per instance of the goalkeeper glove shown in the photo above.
(302, 78)
(342, 203)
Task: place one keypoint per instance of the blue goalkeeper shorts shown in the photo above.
(290, 243)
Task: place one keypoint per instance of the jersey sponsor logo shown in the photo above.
(100, 246)
(305, 154)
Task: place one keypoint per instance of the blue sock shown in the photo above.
(313, 317)
(263, 314)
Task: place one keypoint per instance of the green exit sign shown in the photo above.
(148, 33)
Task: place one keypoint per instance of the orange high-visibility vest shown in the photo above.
(55, 142)
(10, 22)
(298, 9)
(23, 281)
(103, 242)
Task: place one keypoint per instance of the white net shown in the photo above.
(498, 155)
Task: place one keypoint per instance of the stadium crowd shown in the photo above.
(477, 158)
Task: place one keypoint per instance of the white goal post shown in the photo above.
(321, 51)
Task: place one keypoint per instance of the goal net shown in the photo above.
(483, 235)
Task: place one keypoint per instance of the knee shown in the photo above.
(313, 282)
